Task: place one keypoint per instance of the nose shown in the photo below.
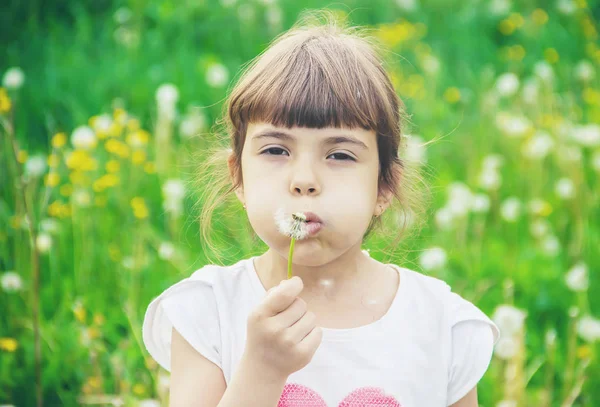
(304, 182)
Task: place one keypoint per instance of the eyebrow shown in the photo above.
(331, 140)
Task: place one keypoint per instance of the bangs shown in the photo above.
(318, 82)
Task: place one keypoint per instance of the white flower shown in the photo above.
(565, 188)
(192, 125)
(13, 78)
(246, 12)
(415, 150)
(588, 328)
(510, 210)
(444, 218)
(81, 198)
(539, 228)
(173, 189)
(83, 138)
(167, 96)
(569, 153)
(499, 7)
(166, 250)
(480, 203)
(493, 161)
(551, 245)
(538, 146)
(507, 84)
(122, 15)
(459, 199)
(102, 123)
(530, 92)
(289, 226)
(566, 6)
(587, 135)
(539, 207)
(128, 262)
(512, 125)
(217, 75)
(509, 319)
(550, 337)
(431, 64)
(433, 258)
(584, 71)
(274, 16)
(11, 282)
(164, 380)
(490, 179)
(407, 5)
(506, 348)
(43, 242)
(149, 403)
(544, 71)
(36, 166)
(507, 403)
(50, 225)
(577, 277)
(596, 161)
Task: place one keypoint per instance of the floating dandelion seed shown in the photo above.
(293, 227)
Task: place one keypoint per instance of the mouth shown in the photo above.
(299, 225)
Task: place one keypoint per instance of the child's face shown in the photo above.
(308, 171)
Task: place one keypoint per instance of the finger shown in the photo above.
(283, 296)
(291, 314)
(311, 342)
(303, 327)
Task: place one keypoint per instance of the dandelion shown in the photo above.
(500, 7)
(513, 125)
(530, 92)
(551, 245)
(192, 123)
(510, 210)
(415, 150)
(407, 5)
(544, 71)
(43, 242)
(539, 228)
(577, 278)
(431, 64)
(506, 348)
(566, 7)
(292, 227)
(588, 328)
(444, 218)
(217, 75)
(433, 258)
(587, 135)
(507, 403)
(538, 146)
(173, 192)
(274, 16)
(166, 98)
(539, 207)
(166, 250)
(480, 203)
(8, 344)
(509, 319)
(13, 78)
(584, 71)
(565, 188)
(35, 166)
(507, 84)
(83, 138)
(50, 225)
(11, 282)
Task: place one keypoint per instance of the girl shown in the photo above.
(315, 128)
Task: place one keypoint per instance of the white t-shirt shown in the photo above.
(429, 349)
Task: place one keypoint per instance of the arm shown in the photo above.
(469, 400)
(197, 382)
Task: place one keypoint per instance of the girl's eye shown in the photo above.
(279, 151)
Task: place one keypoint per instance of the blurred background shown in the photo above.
(107, 106)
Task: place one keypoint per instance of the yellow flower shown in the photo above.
(53, 160)
(539, 16)
(5, 103)
(15, 221)
(94, 332)
(54, 208)
(82, 161)
(139, 389)
(117, 147)
(590, 96)
(22, 156)
(452, 95)
(133, 124)
(506, 26)
(78, 178)
(138, 157)
(394, 34)
(517, 19)
(8, 344)
(584, 352)
(115, 129)
(551, 55)
(98, 319)
(140, 210)
(112, 166)
(138, 138)
(66, 190)
(94, 382)
(59, 140)
(79, 312)
(149, 168)
(106, 181)
(52, 179)
(120, 115)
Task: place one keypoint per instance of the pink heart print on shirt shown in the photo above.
(296, 395)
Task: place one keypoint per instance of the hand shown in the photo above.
(282, 334)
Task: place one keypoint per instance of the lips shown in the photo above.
(312, 217)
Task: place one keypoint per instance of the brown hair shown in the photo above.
(315, 75)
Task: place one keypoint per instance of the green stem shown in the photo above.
(290, 258)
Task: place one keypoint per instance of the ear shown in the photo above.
(239, 191)
(384, 200)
